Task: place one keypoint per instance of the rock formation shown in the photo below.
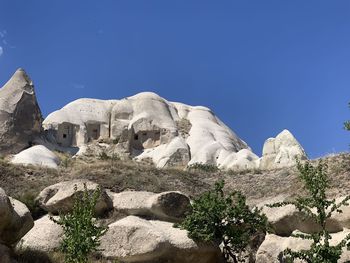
(281, 151)
(148, 126)
(37, 155)
(20, 116)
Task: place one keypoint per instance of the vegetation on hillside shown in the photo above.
(318, 207)
(224, 219)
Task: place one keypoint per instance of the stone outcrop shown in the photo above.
(146, 126)
(37, 155)
(140, 240)
(59, 198)
(15, 219)
(281, 151)
(45, 236)
(20, 116)
(167, 206)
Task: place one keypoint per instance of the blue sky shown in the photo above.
(261, 66)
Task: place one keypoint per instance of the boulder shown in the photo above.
(37, 155)
(6, 255)
(281, 151)
(286, 219)
(167, 206)
(15, 219)
(273, 245)
(45, 236)
(59, 198)
(20, 115)
(140, 240)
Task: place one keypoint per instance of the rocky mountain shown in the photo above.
(20, 115)
(142, 127)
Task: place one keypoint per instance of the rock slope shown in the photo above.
(20, 115)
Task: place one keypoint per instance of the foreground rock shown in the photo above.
(133, 239)
(6, 255)
(37, 155)
(45, 236)
(15, 219)
(60, 197)
(271, 249)
(167, 206)
(281, 151)
(20, 116)
(285, 220)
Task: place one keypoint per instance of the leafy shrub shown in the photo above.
(226, 219)
(29, 199)
(81, 234)
(317, 207)
(203, 167)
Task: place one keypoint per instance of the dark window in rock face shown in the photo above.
(136, 136)
(64, 135)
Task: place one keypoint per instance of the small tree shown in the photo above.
(317, 207)
(225, 220)
(347, 123)
(81, 235)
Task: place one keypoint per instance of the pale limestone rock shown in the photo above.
(15, 219)
(37, 155)
(273, 245)
(140, 240)
(45, 236)
(281, 151)
(60, 197)
(146, 126)
(20, 116)
(168, 206)
(286, 219)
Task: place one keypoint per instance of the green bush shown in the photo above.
(317, 207)
(203, 167)
(81, 234)
(224, 219)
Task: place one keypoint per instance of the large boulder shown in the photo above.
(15, 219)
(37, 155)
(45, 236)
(6, 255)
(133, 239)
(281, 151)
(167, 206)
(59, 198)
(271, 249)
(286, 219)
(20, 115)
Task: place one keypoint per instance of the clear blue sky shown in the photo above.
(261, 66)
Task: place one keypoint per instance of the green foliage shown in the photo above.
(317, 207)
(347, 123)
(103, 156)
(203, 167)
(81, 235)
(226, 219)
(29, 199)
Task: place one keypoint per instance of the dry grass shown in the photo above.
(25, 183)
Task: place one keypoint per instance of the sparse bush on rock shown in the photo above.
(224, 219)
(81, 234)
(317, 207)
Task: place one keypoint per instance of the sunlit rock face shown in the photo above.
(146, 126)
(20, 115)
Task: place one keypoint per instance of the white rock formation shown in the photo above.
(148, 126)
(15, 219)
(20, 116)
(60, 197)
(45, 236)
(37, 155)
(166, 206)
(281, 151)
(139, 240)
